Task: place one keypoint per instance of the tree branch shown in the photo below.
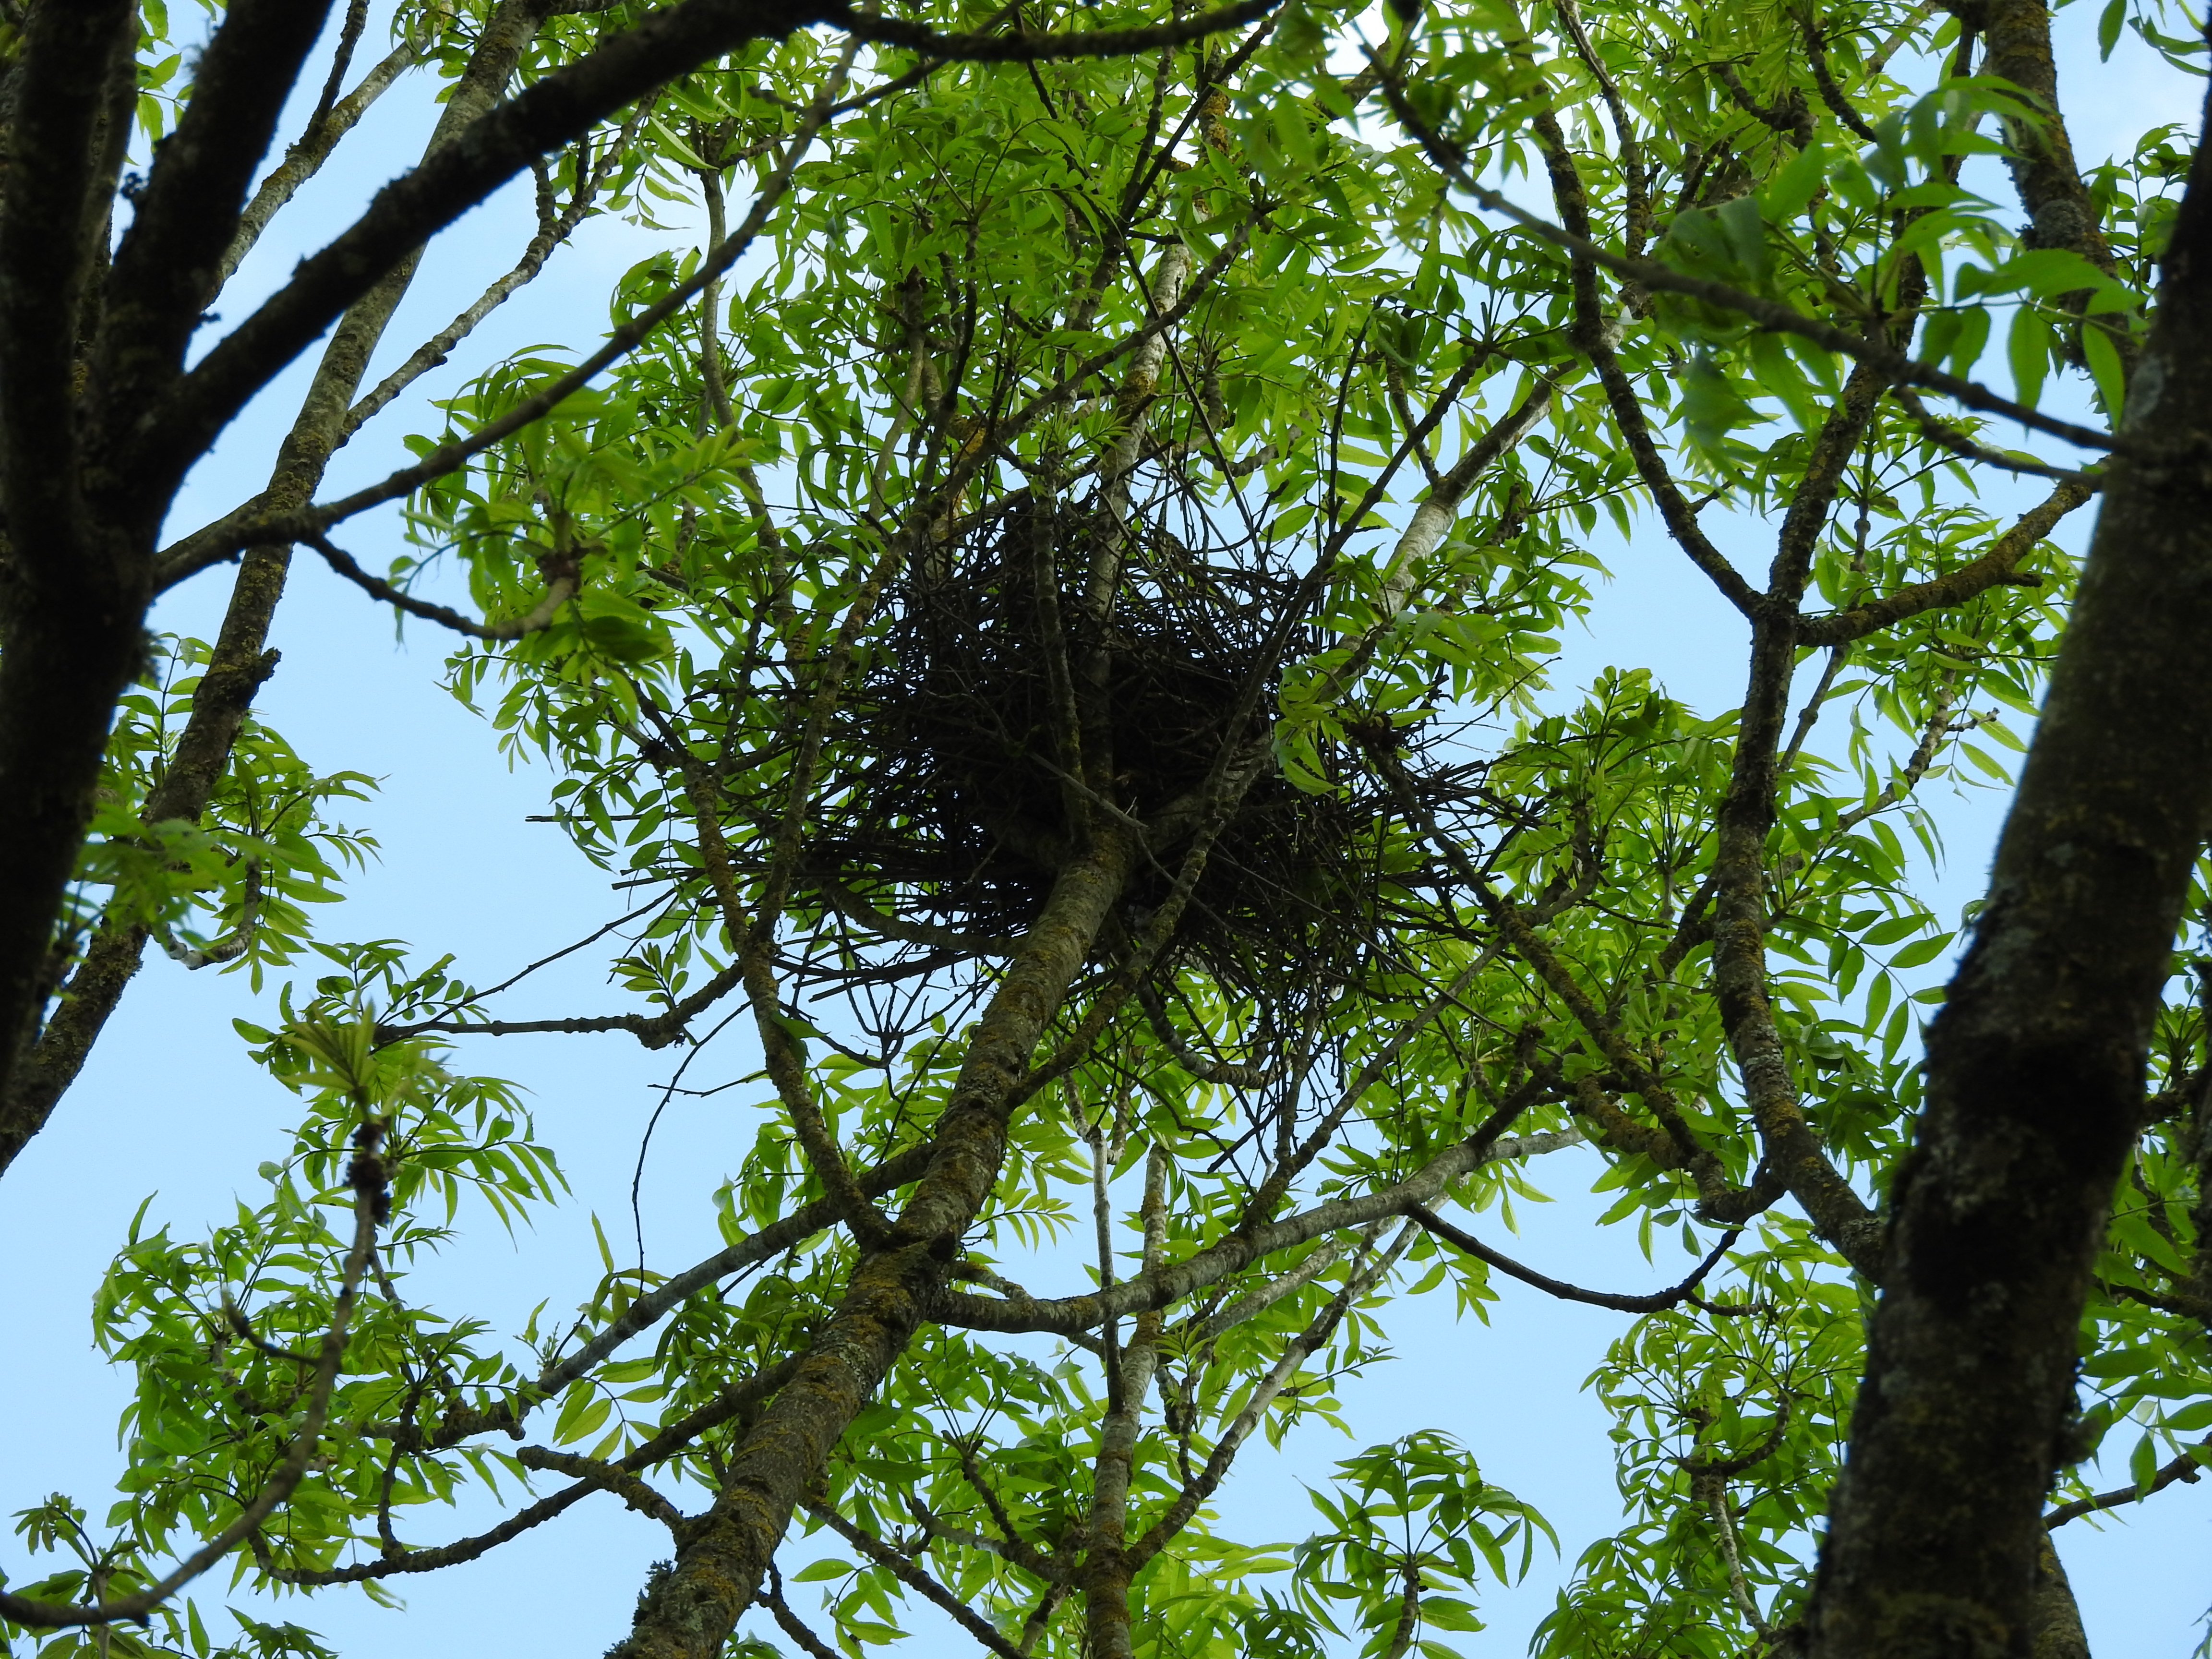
(1651, 1302)
(1945, 436)
(851, 905)
(1954, 587)
(558, 592)
(790, 1622)
(1026, 48)
(687, 1613)
(1177, 1279)
(303, 160)
(47, 218)
(731, 1402)
(187, 214)
(502, 142)
(1766, 314)
(607, 1477)
(654, 1030)
(240, 661)
(552, 231)
(649, 1307)
(219, 541)
(1301, 1348)
(2186, 1468)
(1593, 335)
(911, 1574)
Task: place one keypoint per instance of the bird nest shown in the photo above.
(950, 808)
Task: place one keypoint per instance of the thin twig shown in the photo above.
(2186, 1468)
(1652, 1301)
(558, 592)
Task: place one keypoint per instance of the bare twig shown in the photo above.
(1652, 1301)
(910, 1573)
(558, 592)
(2186, 1468)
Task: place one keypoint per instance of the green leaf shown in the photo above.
(1892, 929)
(1711, 407)
(2109, 24)
(1792, 190)
(2028, 349)
(2142, 1465)
(2104, 360)
(1921, 950)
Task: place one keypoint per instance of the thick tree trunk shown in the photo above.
(83, 493)
(2035, 1064)
(2057, 1632)
(50, 1059)
(80, 519)
(688, 1612)
(70, 599)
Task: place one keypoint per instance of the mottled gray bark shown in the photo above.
(2035, 1065)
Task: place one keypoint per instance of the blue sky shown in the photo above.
(171, 1106)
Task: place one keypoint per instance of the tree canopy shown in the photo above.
(1048, 621)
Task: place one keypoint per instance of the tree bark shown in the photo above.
(2060, 211)
(2057, 1632)
(83, 494)
(70, 600)
(241, 662)
(688, 1612)
(2035, 1065)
